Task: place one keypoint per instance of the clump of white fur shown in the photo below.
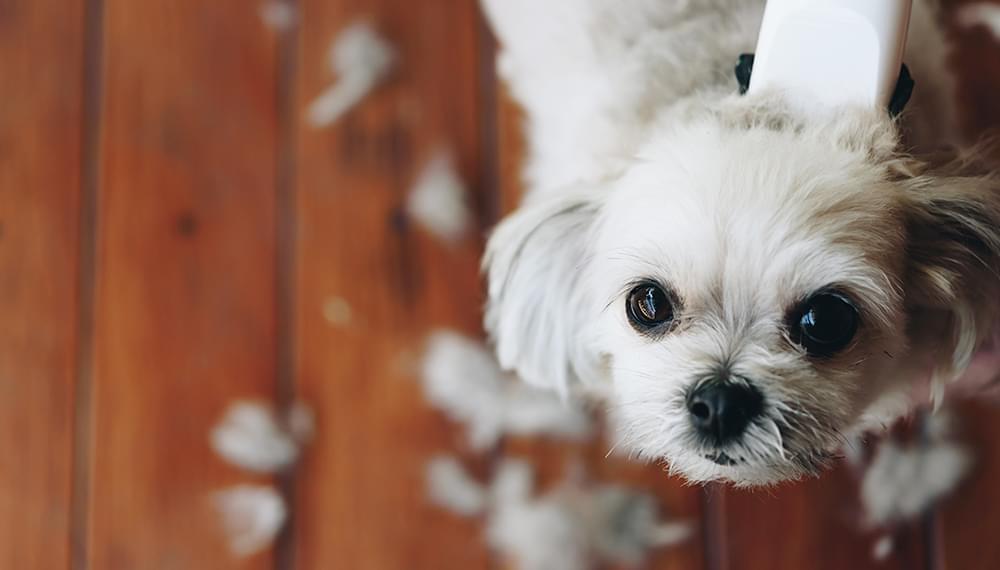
(252, 436)
(437, 200)
(361, 59)
(574, 527)
(981, 14)
(252, 516)
(449, 486)
(461, 378)
(883, 548)
(278, 15)
(903, 481)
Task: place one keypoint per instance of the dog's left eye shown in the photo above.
(824, 324)
(649, 307)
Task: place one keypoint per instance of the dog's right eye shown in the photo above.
(824, 324)
(649, 307)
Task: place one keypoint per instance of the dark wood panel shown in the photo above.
(976, 59)
(185, 300)
(361, 501)
(816, 523)
(41, 46)
(967, 522)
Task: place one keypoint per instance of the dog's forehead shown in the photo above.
(745, 218)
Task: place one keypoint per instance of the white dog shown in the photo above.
(752, 285)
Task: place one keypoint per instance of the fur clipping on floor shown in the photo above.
(574, 527)
(449, 486)
(981, 14)
(251, 436)
(361, 59)
(278, 15)
(251, 515)
(437, 200)
(903, 481)
(462, 379)
(883, 548)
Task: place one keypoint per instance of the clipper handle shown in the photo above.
(832, 52)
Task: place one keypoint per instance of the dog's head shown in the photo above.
(751, 287)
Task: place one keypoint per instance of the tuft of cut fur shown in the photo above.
(437, 200)
(461, 378)
(251, 516)
(279, 15)
(883, 548)
(361, 59)
(902, 482)
(450, 487)
(981, 14)
(574, 527)
(251, 436)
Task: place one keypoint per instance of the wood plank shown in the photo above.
(361, 501)
(816, 523)
(977, 64)
(41, 42)
(185, 299)
(966, 523)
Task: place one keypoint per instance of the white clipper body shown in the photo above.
(825, 53)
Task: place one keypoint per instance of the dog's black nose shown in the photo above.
(722, 410)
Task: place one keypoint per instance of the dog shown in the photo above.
(751, 285)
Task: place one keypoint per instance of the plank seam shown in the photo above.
(93, 73)
(713, 508)
(286, 227)
(488, 206)
(489, 178)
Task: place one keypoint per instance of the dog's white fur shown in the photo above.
(645, 163)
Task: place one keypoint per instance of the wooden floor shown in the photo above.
(170, 233)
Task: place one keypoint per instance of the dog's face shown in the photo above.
(754, 299)
(749, 291)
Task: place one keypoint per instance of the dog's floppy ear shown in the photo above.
(536, 264)
(953, 218)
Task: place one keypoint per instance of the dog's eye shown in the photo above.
(649, 306)
(825, 324)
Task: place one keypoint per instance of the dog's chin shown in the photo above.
(729, 467)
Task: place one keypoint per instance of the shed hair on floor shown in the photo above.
(575, 526)
(251, 516)
(361, 59)
(251, 436)
(462, 379)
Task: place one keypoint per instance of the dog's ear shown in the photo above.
(536, 264)
(953, 219)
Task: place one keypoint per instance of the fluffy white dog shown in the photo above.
(750, 284)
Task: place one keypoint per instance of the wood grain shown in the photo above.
(975, 57)
(967, 521)
(361, 500)
(41, 42)
(817, 523)
(185, 299)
